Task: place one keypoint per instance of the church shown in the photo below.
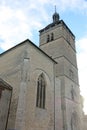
(39, 87)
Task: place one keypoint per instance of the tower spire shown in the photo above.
(55, 16)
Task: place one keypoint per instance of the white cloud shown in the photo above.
(19, 19)
(82, 66)
(15, 26)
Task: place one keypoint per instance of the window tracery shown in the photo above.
(41, 94)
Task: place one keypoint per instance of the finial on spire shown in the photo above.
(55, 8)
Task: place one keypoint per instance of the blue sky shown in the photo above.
(23, 19)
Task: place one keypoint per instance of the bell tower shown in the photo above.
(58, 41)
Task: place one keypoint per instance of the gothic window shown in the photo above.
(41, 95)
(52, 36)
(48, 38)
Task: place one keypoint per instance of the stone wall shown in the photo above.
(21, 67)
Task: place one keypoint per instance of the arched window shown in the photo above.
(41, 94)
(52, 36)
(48, 38)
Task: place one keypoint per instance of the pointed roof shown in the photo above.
(55, 16)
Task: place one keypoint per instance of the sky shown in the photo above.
(21, 20)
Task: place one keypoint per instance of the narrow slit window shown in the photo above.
(41, 94)
(48, 38)
(72, 95)
(52, 36)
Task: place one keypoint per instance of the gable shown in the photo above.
(22, 46)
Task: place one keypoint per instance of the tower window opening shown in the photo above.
(41, 95)
(48, 38)
(52, 36)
